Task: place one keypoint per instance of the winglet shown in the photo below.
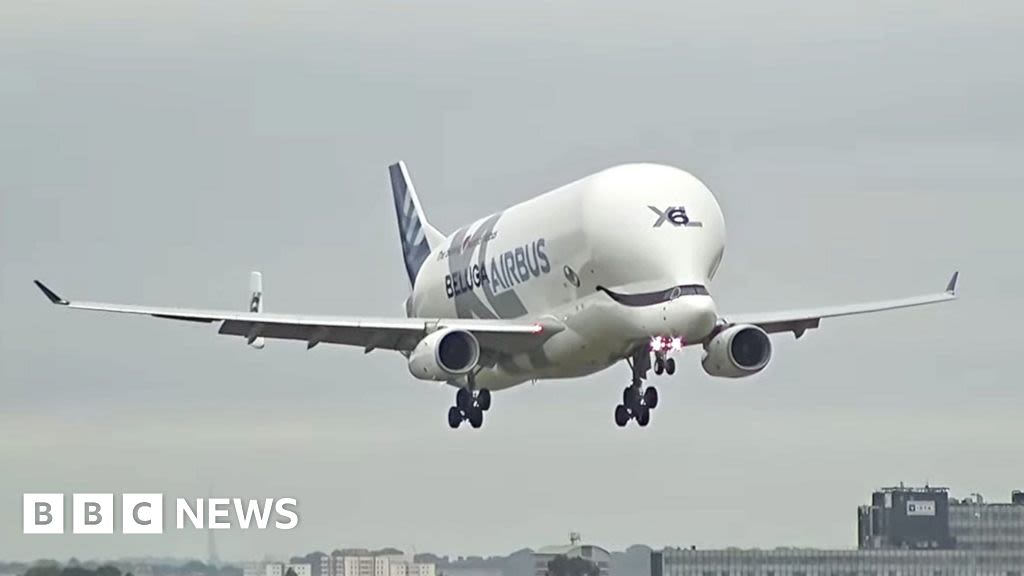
(951, 287)
(51, 294)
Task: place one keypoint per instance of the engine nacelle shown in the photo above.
(444, 354)
(737, 351)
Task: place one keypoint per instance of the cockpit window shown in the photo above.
(651, 298)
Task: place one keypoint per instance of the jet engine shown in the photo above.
(737, 351)
(444, 354)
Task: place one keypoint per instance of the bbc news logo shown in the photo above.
(144, 513)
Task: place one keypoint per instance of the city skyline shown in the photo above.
(973, 504)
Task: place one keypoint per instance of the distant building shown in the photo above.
(319, 563)
(926, 518)
(354, 566)
(914, 518)
(402, 568)
(977, 525)
(595, 554)
(254, 569)
(280, 569)
(375, 565)
(799, 562)
(903, 532)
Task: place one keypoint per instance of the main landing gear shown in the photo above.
(638, 401)
(469, 406)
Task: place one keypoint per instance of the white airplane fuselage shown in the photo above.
(651, 232)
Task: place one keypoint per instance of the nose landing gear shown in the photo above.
(662, 364)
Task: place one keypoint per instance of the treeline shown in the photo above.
(54, 569)
(193, 568)
(13, 567)
(74, 568)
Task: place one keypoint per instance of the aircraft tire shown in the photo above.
(464, 399)
(475, 417)
(631, 397)
(643, 416)
(651, 397)
(483, 399)
(454, 417)
(621, 416)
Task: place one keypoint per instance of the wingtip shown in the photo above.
(50, 294)
(951, 286)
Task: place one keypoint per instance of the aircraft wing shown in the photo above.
(505, 336)
(797, 321)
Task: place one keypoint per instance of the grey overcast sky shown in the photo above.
(155, 152)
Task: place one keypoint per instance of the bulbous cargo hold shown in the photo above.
(632, 228)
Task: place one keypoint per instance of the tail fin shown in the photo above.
(417, 235)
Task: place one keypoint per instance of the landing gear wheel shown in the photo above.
(659, 365)
(621, 416)
(643, 416)
(464, 399)
(483, 399)
(475, 417)
(631, 397)
(670, 366)
(651, 397)
(454, 417)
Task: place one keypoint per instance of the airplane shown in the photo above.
(613, 267)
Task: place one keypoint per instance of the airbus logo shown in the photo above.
(675, 215)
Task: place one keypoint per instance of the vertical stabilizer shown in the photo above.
(417, 236)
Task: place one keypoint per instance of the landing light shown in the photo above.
(660, 343)
(666, 343)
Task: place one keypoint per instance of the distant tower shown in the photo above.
(211, 542)
(211, 549)
(574, 538)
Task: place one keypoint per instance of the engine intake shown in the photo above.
(444, 354)
(737, 351)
